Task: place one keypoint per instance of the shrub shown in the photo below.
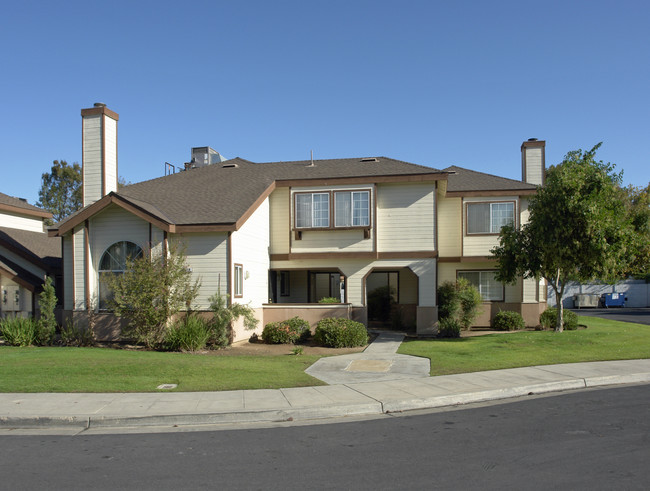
(223, 317)
(459, 301)
(329, 300)
(448, 301)
(507, 320)
(340, 333)
(548, 319)
(151, 290)
(448, 327)
(75, 335)
(188, 334)
(47, 321)
(286, 332)
(19, 331)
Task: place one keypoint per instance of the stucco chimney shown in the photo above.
(99, 152)
(533, 165)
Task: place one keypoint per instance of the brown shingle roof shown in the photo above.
(36, 247)
(465, 180)
(222, 193)
(15, 204)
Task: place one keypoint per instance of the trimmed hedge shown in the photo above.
(507, 320)
(449, 327)
(340, 333)
(548, 319)
(286, 332)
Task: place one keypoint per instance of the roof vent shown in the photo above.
(370, 159)
(228, 166)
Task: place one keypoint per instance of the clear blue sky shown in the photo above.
(434, 83)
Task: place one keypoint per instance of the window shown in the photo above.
(352, 208)
(114, 262)
(488, 218)
(285, 286)
(239, 280)
(312, 210)
(491, 290)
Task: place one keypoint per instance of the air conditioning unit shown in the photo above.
(585, 300)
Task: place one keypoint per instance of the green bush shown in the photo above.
(286, 332)
(448, 301)
(329, 300)
(47, 321)
(75, 335)
(188, 334)
(223, 317)
(507, 320)
(19, 331)
(548, 319)
(449, 327)
(340, 333)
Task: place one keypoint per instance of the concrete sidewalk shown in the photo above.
(356, 398)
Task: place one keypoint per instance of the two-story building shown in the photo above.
(27, 256)
(281, 236)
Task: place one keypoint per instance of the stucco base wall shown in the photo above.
(108, 327)
(239, 331)
(312, 313)
(427, 321)
(529, 311)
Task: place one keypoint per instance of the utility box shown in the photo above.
(613, 300)
(585, 300)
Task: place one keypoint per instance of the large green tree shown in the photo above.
(578, 229)
(60, 192)
(637, 201)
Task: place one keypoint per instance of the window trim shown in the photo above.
(238, 280)
(332, 209)
(100, 307)
(503, 286)
(479, 234)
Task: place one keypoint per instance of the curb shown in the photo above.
(320, 412)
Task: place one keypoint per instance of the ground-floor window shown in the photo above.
(114, 262)
(491, 289)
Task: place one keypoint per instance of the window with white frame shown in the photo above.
(312, 210)
(488, 218)
(352, 209)
(491, 290)
(239, 280)
(114, 261)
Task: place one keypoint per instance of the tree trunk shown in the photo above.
(559, 293)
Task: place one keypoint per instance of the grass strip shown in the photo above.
(55, 369)
(602, 340)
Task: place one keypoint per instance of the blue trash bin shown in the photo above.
(613, 300)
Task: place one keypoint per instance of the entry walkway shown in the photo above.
(379, 362)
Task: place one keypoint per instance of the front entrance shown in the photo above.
(391, 298)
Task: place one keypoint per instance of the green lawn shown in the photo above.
(602, 340)
(109, 370)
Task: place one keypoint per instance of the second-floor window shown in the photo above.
(352, 208)
(312, 210)
(349, 208)
(488, 218)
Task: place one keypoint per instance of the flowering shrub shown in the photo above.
(285, 332)
(340, 333)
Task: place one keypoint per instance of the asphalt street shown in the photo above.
(592, 439)
(637, 315)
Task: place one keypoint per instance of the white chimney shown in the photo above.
(533, 165)
(99, 152)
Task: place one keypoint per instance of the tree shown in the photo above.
(637, 202)
(578, 229)
(151, 290)
(60, 192)
(47, 304)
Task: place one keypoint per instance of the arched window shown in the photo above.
(114, 262)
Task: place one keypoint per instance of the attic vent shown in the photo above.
(370, 159)
(228, 166)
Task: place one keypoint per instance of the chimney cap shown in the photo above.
(99, 104)
(532, 139)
